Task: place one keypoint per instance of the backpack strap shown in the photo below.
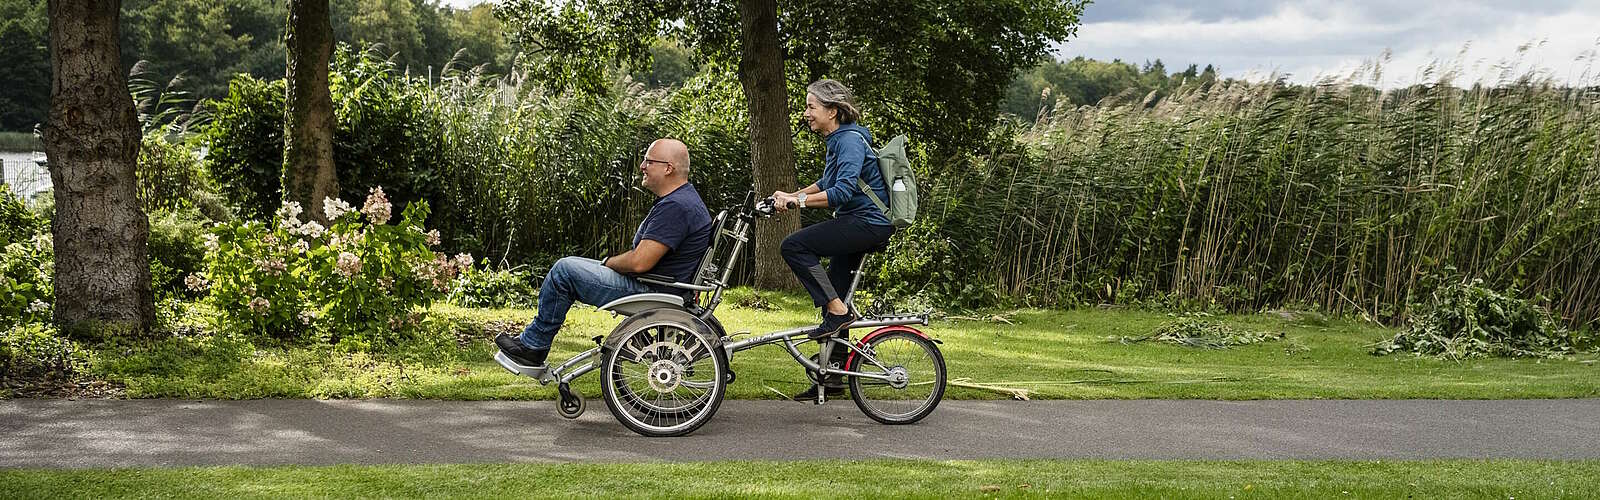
(863, 184)
(874, 196)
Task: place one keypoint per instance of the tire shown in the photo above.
(923, 364)
(663, 373)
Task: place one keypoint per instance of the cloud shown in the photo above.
(1306, 40)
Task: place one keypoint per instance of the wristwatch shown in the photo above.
(802, 200)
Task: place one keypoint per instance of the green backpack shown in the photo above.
(898, 177)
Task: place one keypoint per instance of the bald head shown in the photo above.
(675, 151)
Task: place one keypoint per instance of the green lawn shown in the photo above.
(1059, 354)
(813, 479)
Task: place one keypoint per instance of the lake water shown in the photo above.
(24, 176)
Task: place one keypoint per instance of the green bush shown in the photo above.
(1469, 320)
(386, 134)
(177, 250)
(17, 223)
(498, 289)
(244, 143)
(26, 293)
(35, 351)
(172, 179)
(356, 283)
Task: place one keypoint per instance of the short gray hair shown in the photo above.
(837, 96)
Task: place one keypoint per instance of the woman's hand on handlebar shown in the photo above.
(783, 202)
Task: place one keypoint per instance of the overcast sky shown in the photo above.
(1306, 39)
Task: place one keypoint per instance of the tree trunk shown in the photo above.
(102, 275)
(308, 174)
(771, 143)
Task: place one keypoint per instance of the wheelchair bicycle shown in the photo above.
(665, 369)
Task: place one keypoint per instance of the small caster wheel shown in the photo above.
(570, 405)
(730, 377)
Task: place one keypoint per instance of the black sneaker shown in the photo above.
(832, 324)
(521, 354)
(811, 394)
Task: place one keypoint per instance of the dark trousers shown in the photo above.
(845, 240)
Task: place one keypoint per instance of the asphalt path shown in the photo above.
(137, 433)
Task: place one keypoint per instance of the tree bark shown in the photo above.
(102, 275)
(771, 142)
(308, 171)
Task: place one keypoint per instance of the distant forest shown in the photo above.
(197, 46)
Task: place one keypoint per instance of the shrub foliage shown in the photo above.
(358, 282)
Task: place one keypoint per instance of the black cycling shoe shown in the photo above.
(521, 354)
(811, 394)
(832, 324)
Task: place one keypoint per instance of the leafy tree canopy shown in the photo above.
(934, 68)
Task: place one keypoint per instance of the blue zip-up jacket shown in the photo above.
(849, 156)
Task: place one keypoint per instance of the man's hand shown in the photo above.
(642, 258)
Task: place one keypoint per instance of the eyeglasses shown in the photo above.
(648, 161)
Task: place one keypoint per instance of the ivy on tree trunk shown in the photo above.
(308, 172)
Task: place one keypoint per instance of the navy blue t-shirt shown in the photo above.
(680, 221)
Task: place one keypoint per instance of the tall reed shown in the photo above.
(1253, 195)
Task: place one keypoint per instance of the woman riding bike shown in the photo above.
(857, 225)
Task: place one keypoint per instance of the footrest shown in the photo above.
(540, 373)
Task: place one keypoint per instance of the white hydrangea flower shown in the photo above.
(311, 229)
(289, 215)
(335, 208)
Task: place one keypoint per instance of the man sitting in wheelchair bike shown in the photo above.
(670, 242)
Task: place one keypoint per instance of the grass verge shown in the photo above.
(817, 479)
(1072, 354)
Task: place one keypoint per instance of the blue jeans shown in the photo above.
(574, 279)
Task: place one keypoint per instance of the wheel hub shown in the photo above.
(665, 375)
(898, 378)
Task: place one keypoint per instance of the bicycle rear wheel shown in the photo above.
(917, 377)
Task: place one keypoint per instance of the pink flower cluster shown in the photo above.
(273, 267)
(260, 305)
(377, 207)
(349, 264)
(196, 282)
(432, 235)
(442, 270)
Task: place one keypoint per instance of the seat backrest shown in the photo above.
(707, 272)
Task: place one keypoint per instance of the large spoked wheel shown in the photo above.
(916, 376)
(663, 374)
